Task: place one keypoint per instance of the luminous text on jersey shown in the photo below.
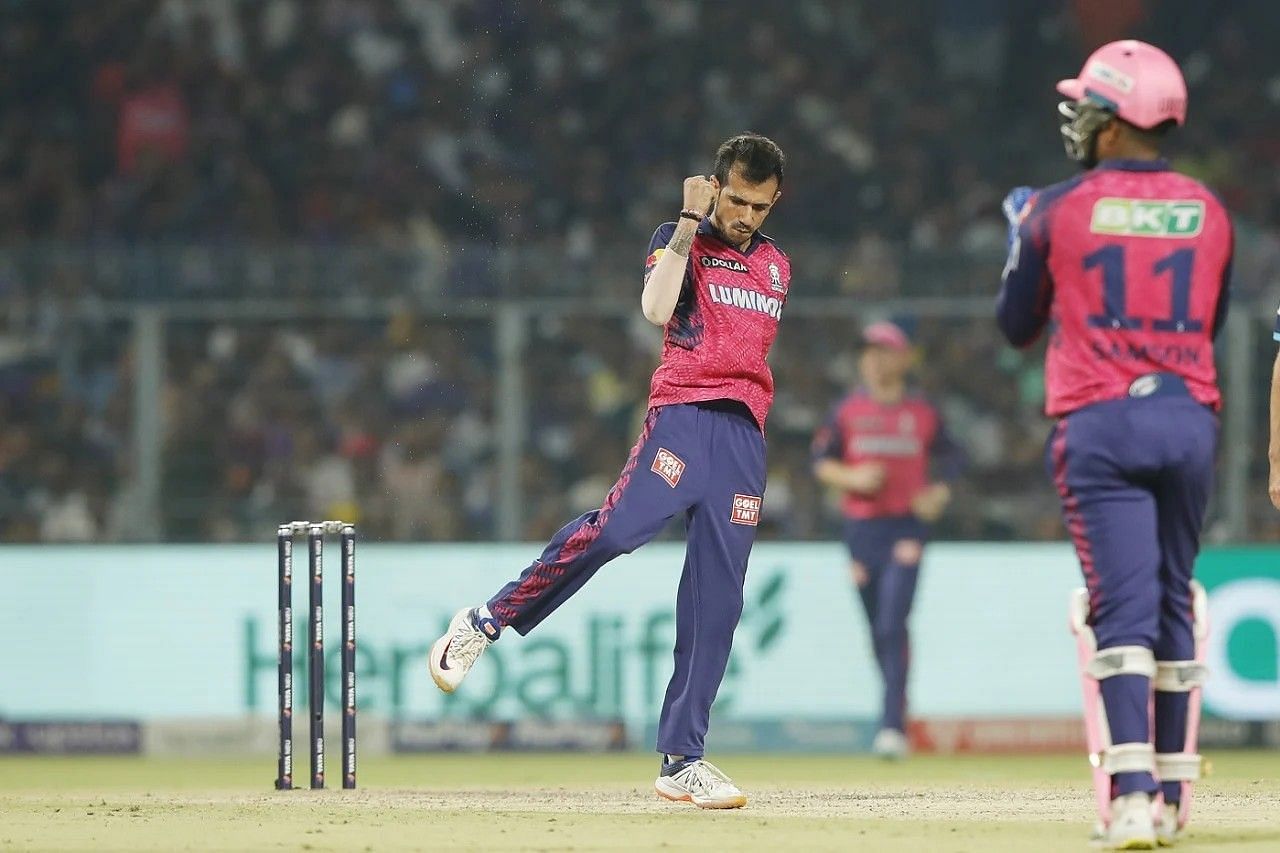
(1140, 217)
(740, 297)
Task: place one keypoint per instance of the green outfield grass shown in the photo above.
(557, 802)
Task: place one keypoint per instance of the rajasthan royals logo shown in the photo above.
(775, 279)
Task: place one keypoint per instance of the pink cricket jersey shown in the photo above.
(1128, 263)
(716, 342)
(903, 436)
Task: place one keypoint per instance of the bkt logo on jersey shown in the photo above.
(1134, 217)
(740, 297)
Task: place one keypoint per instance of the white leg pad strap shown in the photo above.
(1177, 766)
(1179, 676)
(1122, 660)
(1199, 612)
(1129, 758)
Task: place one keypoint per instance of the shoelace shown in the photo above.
(707, 776)
(467, 645)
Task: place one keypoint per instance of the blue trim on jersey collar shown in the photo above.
(1158, 165)
(705, 227)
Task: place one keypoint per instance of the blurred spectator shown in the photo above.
(379, 121)
(399, 152)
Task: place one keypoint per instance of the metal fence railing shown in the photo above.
(211, 389)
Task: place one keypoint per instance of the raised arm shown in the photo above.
(1022, 309)
(665, 278)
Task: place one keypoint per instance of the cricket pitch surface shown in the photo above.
(602, 802)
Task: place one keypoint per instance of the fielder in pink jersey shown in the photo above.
(1128, 265)
(717, 286)
(885, 449)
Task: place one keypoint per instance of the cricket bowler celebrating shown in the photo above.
(877, 448)
(1128, 265)
(717, 286)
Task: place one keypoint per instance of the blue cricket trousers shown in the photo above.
(707, 461)
(888, 551)
(1135, 476)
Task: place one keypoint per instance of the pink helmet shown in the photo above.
(1136, 81)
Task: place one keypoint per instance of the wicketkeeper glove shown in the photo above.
(1013, 206)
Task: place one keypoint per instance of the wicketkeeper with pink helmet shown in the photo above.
(1128, 264)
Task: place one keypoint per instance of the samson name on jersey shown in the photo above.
(715, 344)
(1129, 264)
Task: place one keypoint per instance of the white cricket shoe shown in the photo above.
(890, 744)
(453, 655)
(1131, 825)
(1167, 831)
(703, 784)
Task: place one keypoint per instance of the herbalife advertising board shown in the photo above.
(1244, 642)
(176, 631)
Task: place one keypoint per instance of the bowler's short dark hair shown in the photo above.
(757, 157)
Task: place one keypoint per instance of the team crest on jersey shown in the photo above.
(906, 422)
(1140, 217)
(746, 510)
(668, 466)
(724, 264)
(775, 279)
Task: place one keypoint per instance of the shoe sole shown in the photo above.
(734, 803)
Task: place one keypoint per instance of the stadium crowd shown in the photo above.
(163, 149)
